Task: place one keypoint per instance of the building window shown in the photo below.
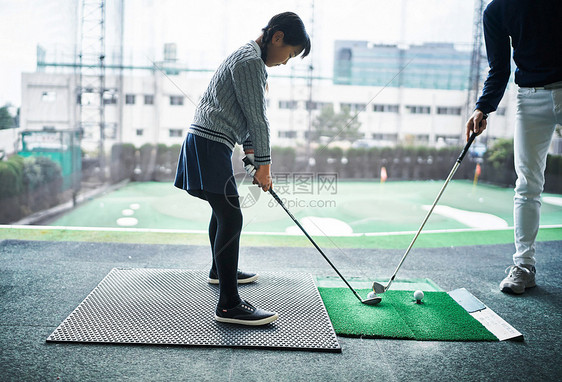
(345, 54)
(129, 99)
(110, 130)
(447, 140)
(418, 109)
(313, 105)
(148, 99)
(140, 132)
(385, 137)
(317, 105)
(110, 99)
(385, 108)
(354, 107)
(287, 134)
(49, 96)
(176, 100)
(290, 105)
(423, 138)
(449, 110)
(175, 133)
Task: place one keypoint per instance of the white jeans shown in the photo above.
(538, 112)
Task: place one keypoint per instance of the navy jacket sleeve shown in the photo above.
(498, 49)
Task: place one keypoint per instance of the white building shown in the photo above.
(154, 107)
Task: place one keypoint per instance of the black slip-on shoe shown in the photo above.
(245, 314)
(243, 278)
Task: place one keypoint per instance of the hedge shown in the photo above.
(147, 163)
(401, 163)
(158, 163)
(42, 184)
(27, 186)
(122, 162)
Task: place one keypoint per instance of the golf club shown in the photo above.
(379, 288)
(250, 170)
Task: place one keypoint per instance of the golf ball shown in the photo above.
(418, 295)
(371, 295)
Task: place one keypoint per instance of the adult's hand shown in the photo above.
(476, 123)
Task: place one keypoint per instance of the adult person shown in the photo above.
(534, 29)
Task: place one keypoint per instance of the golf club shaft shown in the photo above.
(276, 197)
(451, 174)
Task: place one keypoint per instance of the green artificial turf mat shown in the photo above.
(437, 318)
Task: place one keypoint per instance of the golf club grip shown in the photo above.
(466, 147)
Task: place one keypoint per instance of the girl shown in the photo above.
(232, 111)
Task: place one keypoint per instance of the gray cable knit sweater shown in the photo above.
(232, 109)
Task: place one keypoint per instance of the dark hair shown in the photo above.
(293, 29)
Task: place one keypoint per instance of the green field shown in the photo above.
(359, 207)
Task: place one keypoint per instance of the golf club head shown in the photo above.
(378, 288)
(372, 301)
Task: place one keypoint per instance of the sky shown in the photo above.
(205, 31)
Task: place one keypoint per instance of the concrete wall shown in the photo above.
(9, 141)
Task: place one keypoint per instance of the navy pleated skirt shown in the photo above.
(205, 165)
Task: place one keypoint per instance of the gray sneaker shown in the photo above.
(519, 278)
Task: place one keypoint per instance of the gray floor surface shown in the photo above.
(42, 282)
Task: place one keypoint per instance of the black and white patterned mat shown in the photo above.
(176, 307)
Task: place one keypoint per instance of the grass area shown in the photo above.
(370, 209)
(399, 241)
(438, 317)
(363, 207)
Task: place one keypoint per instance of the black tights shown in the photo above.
(224, 233)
